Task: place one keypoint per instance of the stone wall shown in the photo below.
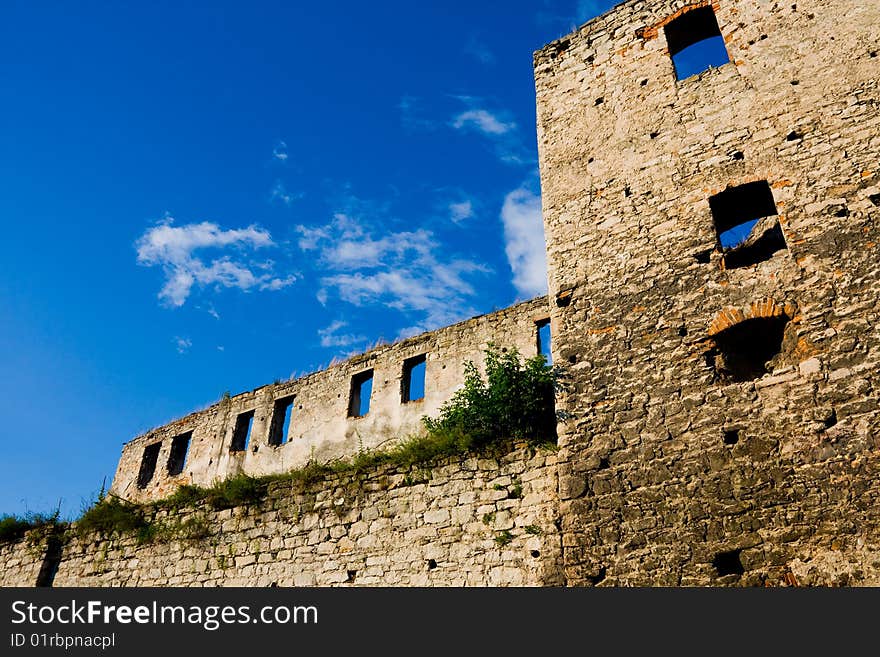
(460, 522)
(22, 560)
(320, 426)
(675, 466)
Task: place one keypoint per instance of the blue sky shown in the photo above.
(202, 197)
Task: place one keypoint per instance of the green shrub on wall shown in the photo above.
(515, 401)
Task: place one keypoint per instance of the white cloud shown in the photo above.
(331, 338)
(404, 270)
(458, 212)
(494, 127)
(280, 151)
(479, 51)
(483, 121)
(174, 249)
(182, 344)
(279, 193)
(524, 240)
(412, 116)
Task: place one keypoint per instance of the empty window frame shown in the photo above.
(148, 464)
(177, 455)
(695, 42)
(746, 223)
(241, 435)
(359, 398)
(412, 384)
(280, 426)
(542, 328)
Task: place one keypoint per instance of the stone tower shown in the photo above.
(719, 414)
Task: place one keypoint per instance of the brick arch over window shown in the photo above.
(765, 308)
(747, 342)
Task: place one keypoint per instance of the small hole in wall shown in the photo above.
(872, 54)
(728, 563)
(563, 298)
(737, 155)
(703, 257)
(535, 554)
(731, 436)
(627, 192)
(604, 463)
(831, 420)
(590, 59)
(432, 564)
(572, 359)
(644, 82)
(654, 135)
(875, 199)
(599, 100)
(842, 211)
(682, 331)
(350, 575)
(795, 82)
(794, 135)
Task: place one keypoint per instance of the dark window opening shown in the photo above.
(432, 564)
(412, 384)
(177, 455)
(350, 575)
(148, 464)
(543, 339)
(728, 563)
(747, 224)
(280, 426)
(361, 389)
(744, 349)
(241, 435)
(731, 436)
(695, 43)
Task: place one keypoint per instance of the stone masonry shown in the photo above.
(719, 422)
(464, 522)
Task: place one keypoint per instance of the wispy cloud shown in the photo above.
(174, 249)
(495, 126)
(279, 193)
(524, 240)
(460, 211)
(479, 51)
(412, 116)
(570, 15)
(330, 336)
(407, 271)
(482, 120)
(182, 344)
(279, 152)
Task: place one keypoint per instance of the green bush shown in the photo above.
(112, 514)
(238, 490)
(13, 527)
(514, 402)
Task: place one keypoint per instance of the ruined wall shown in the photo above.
(461, 522)
(673, 471)
(22, 560)
(320, 426)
